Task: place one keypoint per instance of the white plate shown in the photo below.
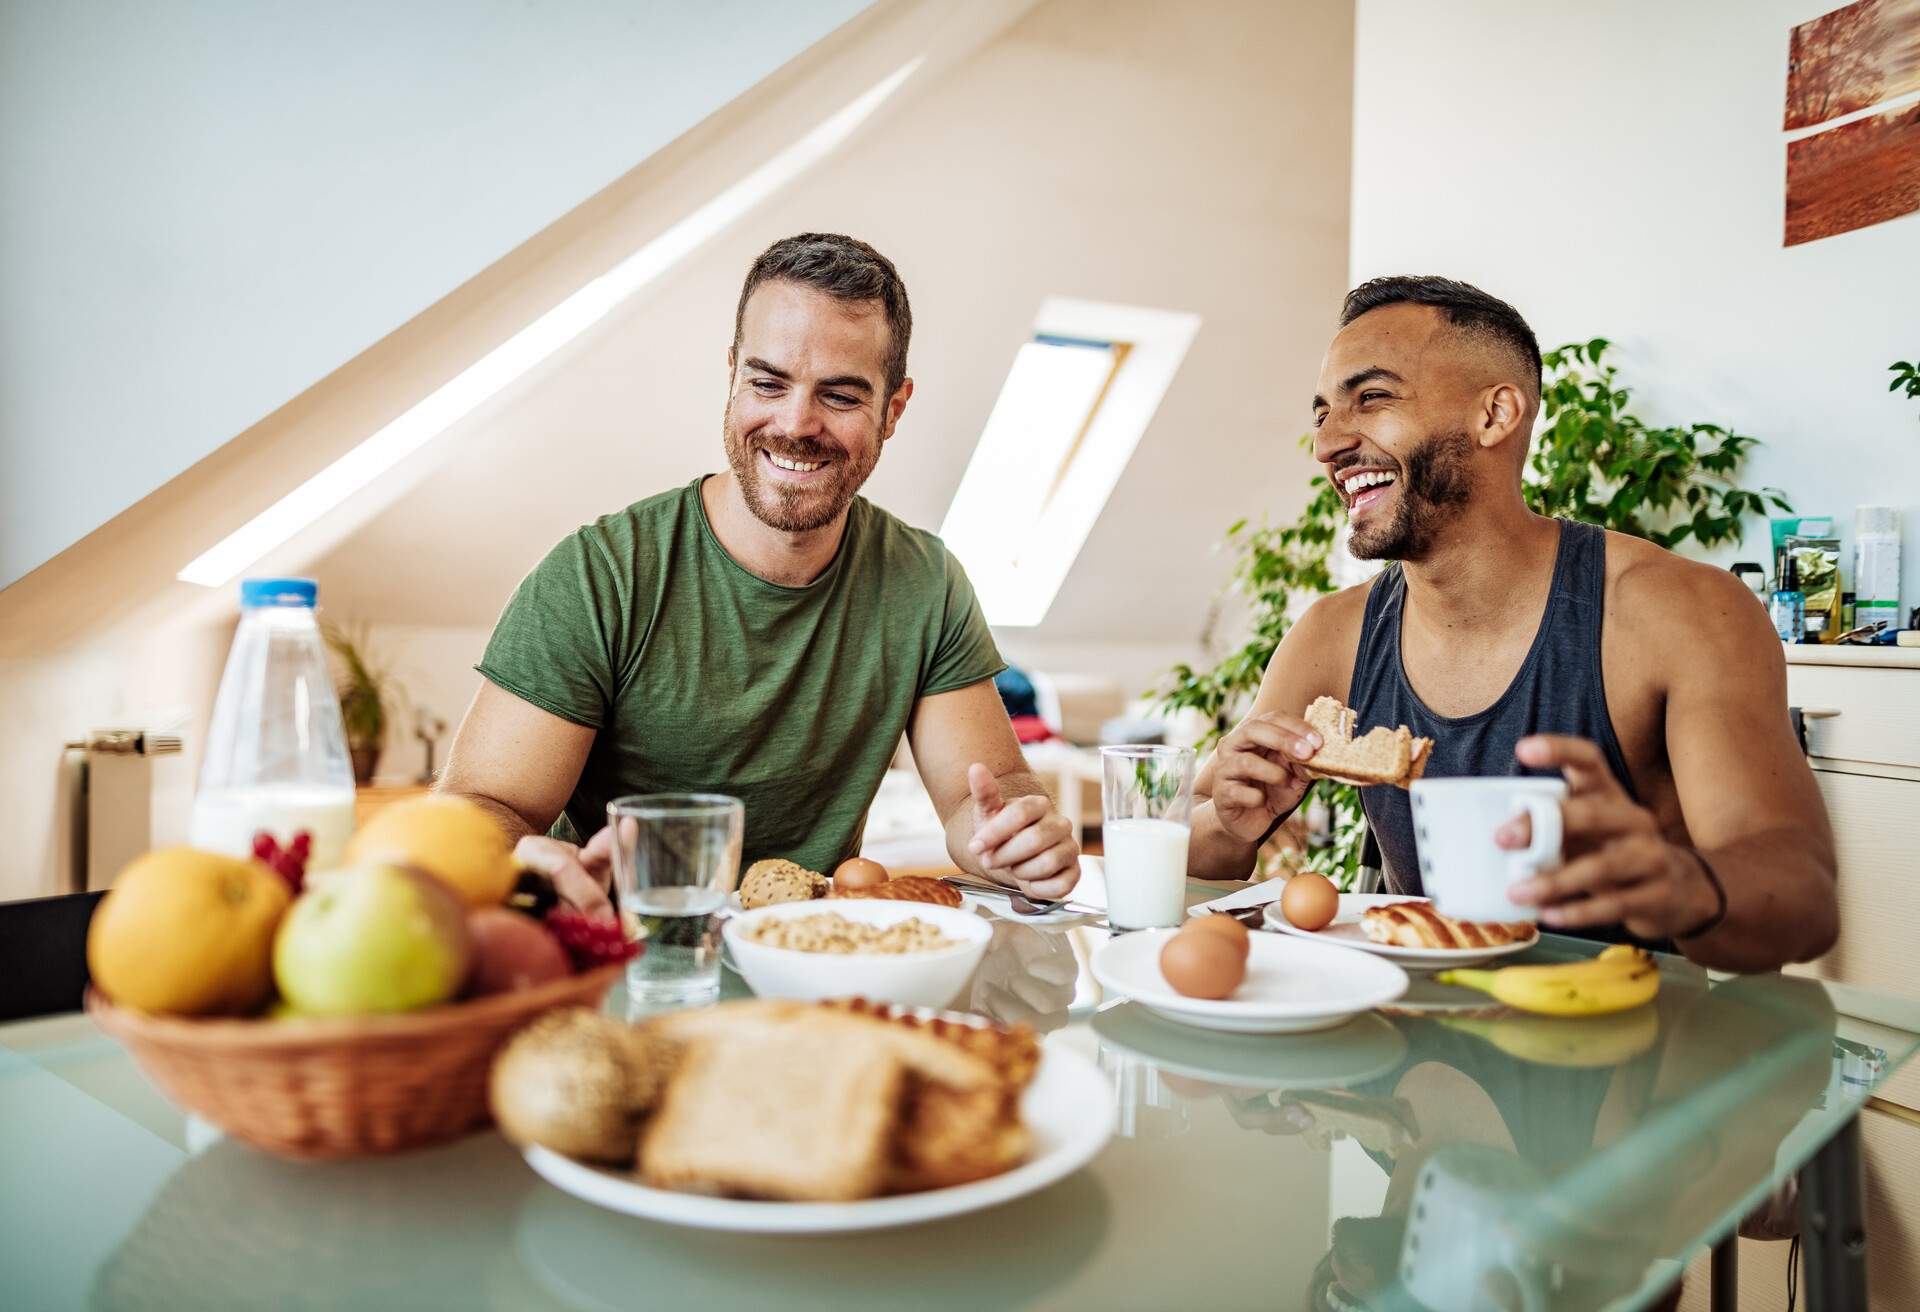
(1068, 1107)
(1345, 930)
(1292, 984)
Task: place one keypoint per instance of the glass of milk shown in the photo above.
(1147, 796)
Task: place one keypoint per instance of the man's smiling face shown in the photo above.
(808, 412)
(1390, 427)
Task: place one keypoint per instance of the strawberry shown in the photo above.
(588, 941)
(290, 862)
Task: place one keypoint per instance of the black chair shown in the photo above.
(43, 954)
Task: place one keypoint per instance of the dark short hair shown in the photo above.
(1462, 304)
(845, 268)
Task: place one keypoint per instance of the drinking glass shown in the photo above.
(675, 859)
(1147, 798)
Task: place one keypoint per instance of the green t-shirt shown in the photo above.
(702, 677)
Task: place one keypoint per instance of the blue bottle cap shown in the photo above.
(278, 592)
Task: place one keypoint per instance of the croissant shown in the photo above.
(910, 888)
(1418, 925)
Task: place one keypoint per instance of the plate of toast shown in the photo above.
(1409, 932)
(776, 1117)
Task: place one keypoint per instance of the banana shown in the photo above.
(1582, 1042)
(1619, 978)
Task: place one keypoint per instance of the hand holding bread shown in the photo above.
(1262, 770)
(1259, 772)
(1379, 756)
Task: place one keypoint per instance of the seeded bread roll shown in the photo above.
(773, 881)
(577, 1081)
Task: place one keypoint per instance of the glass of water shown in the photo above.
(675, 859)
(1147, 795)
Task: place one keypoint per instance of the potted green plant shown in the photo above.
(368, 694)
(1593, 460)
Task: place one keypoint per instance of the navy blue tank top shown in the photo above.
(1559, 690)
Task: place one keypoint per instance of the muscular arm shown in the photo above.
(516, 760)
(1748, 808)
(1752, 809)
(1252, 780)
(971, 764)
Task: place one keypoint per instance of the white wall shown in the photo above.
(209, 207)
(1617, 170)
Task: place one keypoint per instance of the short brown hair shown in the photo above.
(845, 268)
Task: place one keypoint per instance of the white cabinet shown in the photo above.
(1864, 744)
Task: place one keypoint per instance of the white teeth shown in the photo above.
(796, 466)
(1365, 479)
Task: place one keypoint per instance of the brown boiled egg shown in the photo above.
(857, 874)
(1221, 927)
(1202, 965)
(1309, 901)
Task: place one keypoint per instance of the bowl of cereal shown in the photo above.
(913, 954)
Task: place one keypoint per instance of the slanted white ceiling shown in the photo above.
(206, 208)
(1188, 157)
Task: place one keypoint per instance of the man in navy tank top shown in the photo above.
(1525, 645)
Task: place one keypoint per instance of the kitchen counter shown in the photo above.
(1893, 658)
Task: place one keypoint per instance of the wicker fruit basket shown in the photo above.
(351, 1087)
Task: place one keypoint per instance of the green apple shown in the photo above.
(372, 938)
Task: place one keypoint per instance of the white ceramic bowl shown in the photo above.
(910, 979)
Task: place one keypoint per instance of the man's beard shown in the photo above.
(783, 506)
(1435, 482)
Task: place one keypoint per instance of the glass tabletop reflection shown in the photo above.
(1444, 1153)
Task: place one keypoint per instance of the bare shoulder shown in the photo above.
(1683, 610)
(1316, 657)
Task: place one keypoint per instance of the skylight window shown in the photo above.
(1073, 409)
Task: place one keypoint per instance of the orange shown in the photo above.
(188, 933)
(450, 838)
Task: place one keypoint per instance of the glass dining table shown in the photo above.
(1441, 1154)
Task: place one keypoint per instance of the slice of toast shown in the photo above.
(807, 1114)
(922, 1051)
(1379, 756)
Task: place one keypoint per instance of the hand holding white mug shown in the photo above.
(1467, 874)
(1619, 868)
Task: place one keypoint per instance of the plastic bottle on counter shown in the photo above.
(1789, 605)
(1876, 565)
(276, 757)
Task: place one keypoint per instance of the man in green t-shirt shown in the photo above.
(764, 632)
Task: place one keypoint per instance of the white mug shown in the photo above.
(1454, 820)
